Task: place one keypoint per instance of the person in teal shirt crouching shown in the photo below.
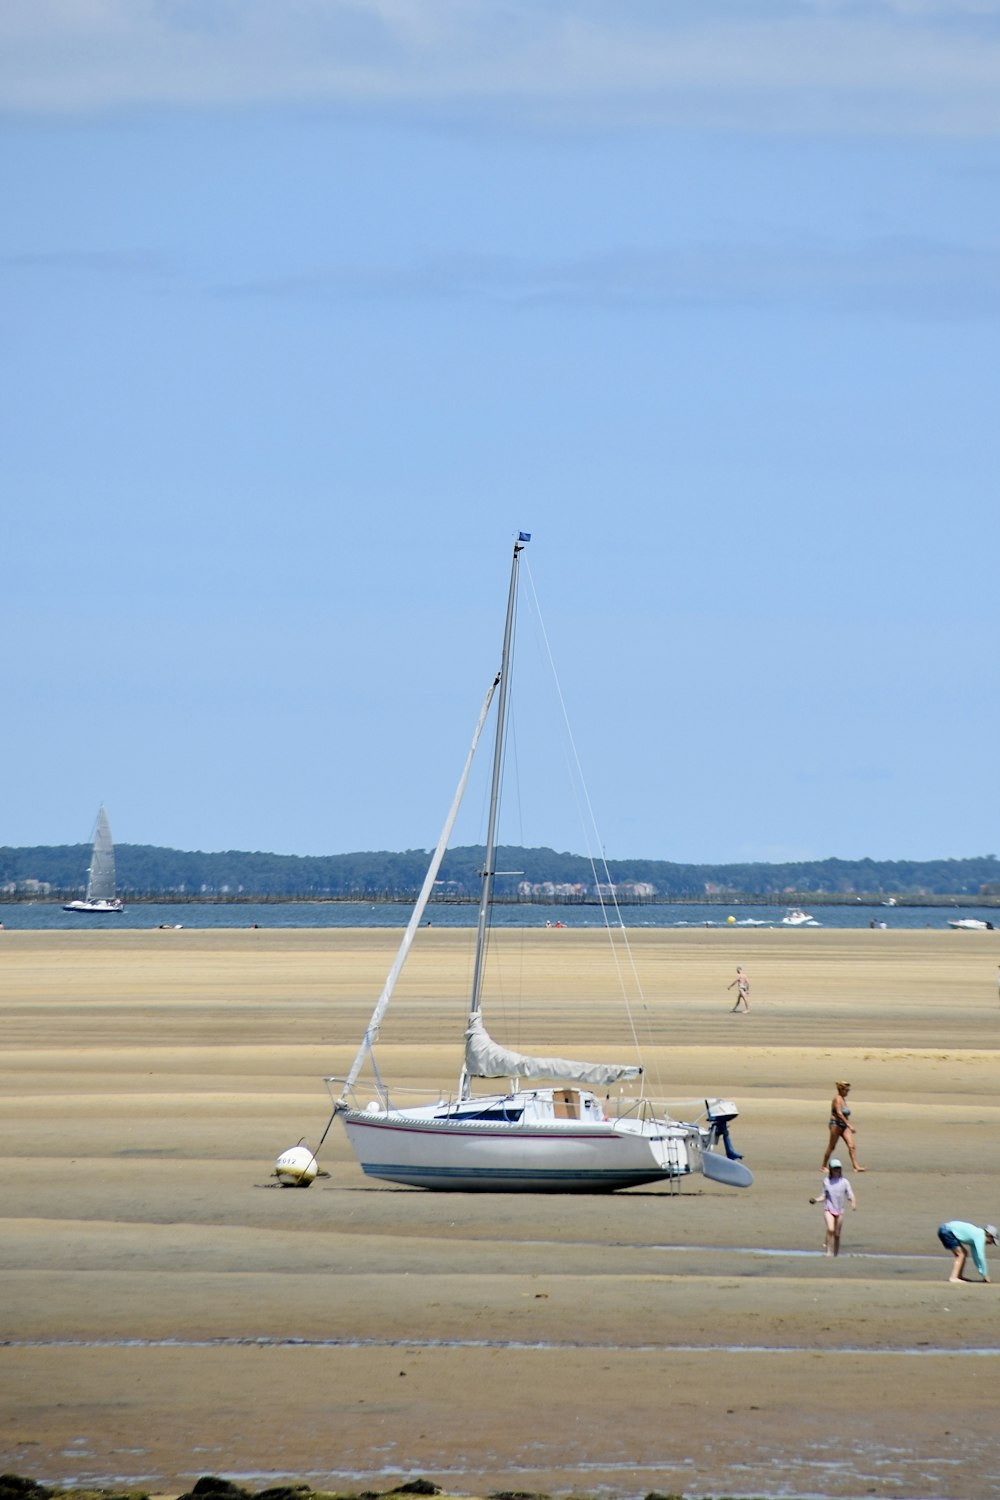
(964, 1240)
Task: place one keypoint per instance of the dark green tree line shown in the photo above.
(144, 870)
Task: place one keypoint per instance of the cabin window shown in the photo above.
(501, 1114)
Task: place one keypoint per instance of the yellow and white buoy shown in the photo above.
(296, 1167)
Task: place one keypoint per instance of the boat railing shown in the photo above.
(376, 1094)
(335, 1088)
(647, 1111)
(623, 1108)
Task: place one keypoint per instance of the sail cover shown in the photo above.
(101, 875)
(485, 1058)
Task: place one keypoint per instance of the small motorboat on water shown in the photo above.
(796, 918)
(970, 924)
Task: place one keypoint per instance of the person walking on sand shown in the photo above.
(742, 984)
(837, 1192)
(964, 1240)
(841, 1128)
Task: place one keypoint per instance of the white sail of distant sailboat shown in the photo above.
(102, 893)
(546, 1131)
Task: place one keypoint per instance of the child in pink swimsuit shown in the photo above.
(837, 1191)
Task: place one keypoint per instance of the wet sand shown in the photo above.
(168, 1312)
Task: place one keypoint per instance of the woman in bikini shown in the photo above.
(841, 1128)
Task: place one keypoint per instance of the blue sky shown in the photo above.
(307, 308)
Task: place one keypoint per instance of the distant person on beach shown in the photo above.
(742, 984)
(837, 1192)
(841, 1128)
(964, 1240)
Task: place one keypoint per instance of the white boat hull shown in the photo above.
(95, 908)
(557, 1156)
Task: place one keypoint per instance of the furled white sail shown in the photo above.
(485, 1058)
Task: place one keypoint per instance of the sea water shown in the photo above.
(45, 916)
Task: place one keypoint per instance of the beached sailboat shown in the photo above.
(545, 1129)
(101, 897)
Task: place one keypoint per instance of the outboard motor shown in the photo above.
(720, 1112)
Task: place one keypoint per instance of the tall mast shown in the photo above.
(489, 863)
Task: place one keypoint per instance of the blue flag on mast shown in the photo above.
(524, 536)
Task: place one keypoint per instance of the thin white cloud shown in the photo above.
(904, 277)
(118, 265)
(913, 66)
(908, 278)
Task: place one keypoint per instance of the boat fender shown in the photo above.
(296, 1167)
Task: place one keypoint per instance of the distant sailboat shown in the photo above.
(101, 894)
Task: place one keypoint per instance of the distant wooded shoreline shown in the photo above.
(538, 876)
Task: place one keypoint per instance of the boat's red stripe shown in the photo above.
(486, 1135)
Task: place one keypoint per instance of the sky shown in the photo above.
(306, 309)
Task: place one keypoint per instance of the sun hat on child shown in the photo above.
(836, 1165)
(991, 1230)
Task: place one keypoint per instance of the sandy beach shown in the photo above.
(170, 1312)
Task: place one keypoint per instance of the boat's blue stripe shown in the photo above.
(509, 1174)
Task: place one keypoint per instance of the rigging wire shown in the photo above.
(588, 823)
